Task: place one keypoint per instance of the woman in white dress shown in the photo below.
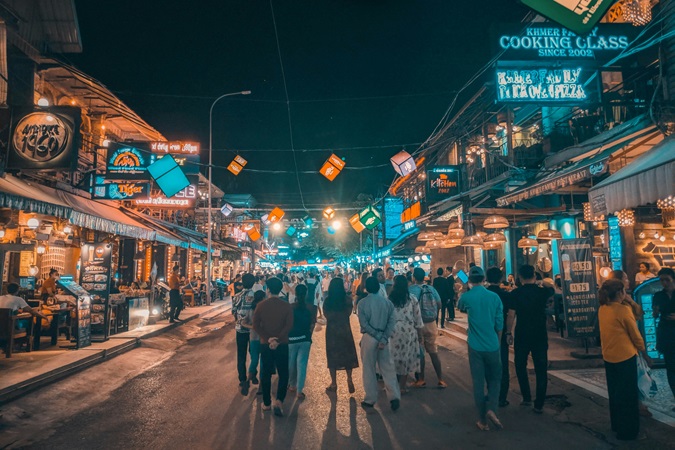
(404, 344)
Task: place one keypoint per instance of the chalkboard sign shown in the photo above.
(83, 321)
(580, 293)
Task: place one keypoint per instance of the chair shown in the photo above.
(189, 297)
(9, 334)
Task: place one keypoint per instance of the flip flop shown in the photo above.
(483, 426)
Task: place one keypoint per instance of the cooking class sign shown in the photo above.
(580, 293)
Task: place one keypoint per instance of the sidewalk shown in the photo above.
(24, 371)
(586, 373)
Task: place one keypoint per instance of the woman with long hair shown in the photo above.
(404, 344)
(621, 341)
(340, 348)
(361, 289)
(300, 341)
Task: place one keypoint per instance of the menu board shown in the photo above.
(615, 249)
(95, 262)
(83, 336)
(579, 287)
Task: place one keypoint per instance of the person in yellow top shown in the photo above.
(175, 299)
(48, 288)
(621, 342)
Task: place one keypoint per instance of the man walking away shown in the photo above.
(441, 285)
(529, 301)
(273, 320)
(241, 305)
(313, 291)
(430, 304)
(486, 321)
(494, 278)
(376, 316)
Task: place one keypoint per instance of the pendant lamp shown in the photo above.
(472, 241)
(495, 222)
(527, 242)
(548, 235)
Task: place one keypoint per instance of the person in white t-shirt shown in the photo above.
(644, 274)
(17, 304)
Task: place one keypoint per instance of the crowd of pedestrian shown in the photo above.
(399, 316)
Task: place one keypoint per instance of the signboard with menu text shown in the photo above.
(580, 293)
(95, 278)
(126, 162)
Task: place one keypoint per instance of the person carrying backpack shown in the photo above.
(430, 304)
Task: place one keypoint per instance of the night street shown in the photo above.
(189, 400)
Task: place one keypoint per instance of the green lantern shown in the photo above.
(370, 217)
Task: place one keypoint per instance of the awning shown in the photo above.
(562, 178)
(627, 131)
(647, 179)
(102, 217)
(19, 194)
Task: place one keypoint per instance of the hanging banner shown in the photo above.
(95, 277)
(580, 293)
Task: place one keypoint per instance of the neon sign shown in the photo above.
(126, 162)
(541, 85)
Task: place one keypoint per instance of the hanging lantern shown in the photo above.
(637, 12)
(549, 235)
(356, 223)
(254, 234)
(33, 223)
(495, 222)
(332, 167)
(527, 242)
(451, 243)
(421, 249)
(667, 207)
(456, 233)
(472, 241)
(481, 234)
(666, 203)
(497, 238)
(626, 217)
(588, 214)
(370, 217)
(328, 213)
(492, 245)
(33, 270)
(403, 163)
(429, 236)
(237, 165)
(276, 215)
(226, 209)
(41, 249)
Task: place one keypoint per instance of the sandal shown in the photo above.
(292, 389)
(350, 385)
(332, 388)
(301, 396)
(266, 407)
(483, 426)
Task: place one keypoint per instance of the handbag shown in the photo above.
(646, 384)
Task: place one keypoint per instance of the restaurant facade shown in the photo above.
(75, 193)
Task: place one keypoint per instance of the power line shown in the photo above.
(288, 103)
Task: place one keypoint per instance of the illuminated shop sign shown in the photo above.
(544, 85)
(120, 190)
(579, 16)
(409, 225)
(185, 199)
(175, 147)
(128, 163)
(442, 182)
(550, 41)
(46, 139)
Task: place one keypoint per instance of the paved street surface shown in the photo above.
(179, 391)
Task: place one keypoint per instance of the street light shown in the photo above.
(208, 258)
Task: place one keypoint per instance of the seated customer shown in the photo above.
(48, 288)
(17, 304)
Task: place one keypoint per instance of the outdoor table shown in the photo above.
(53, 326)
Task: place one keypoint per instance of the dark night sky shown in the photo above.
(168, 61)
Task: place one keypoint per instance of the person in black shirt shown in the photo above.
(529, 301)
(494, 277)
(664, 308)
(441, 284)
(451, 302)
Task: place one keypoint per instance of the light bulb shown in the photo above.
(43, 102)
(33, 223)
(276, 226)
(337, 224)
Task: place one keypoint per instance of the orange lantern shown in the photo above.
(276, 215)
(254, 234)
(355, 222)
(332, 167)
